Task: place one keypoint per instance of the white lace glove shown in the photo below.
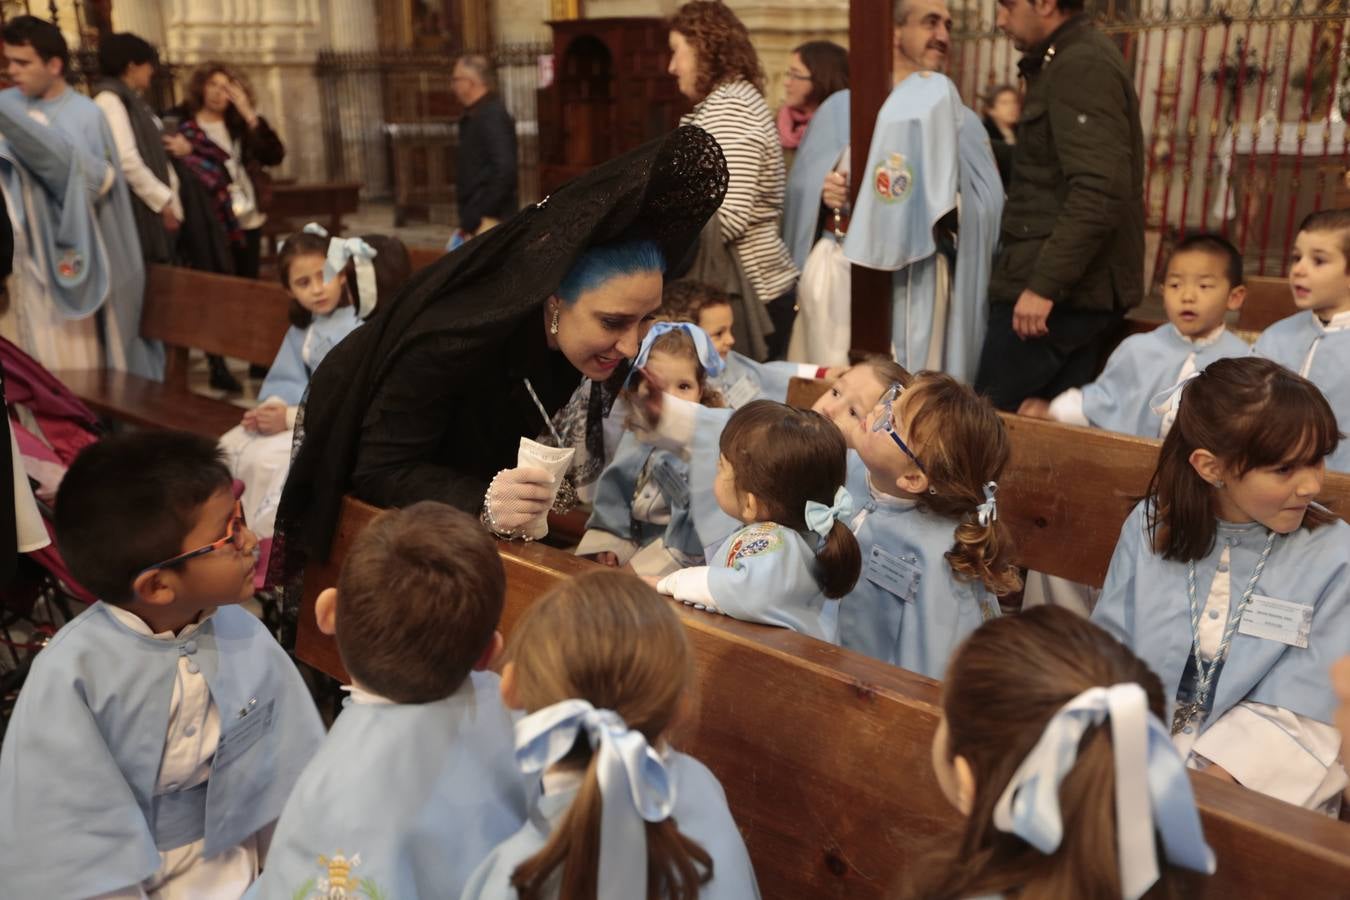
(515, 498)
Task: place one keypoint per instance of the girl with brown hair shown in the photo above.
(602, 668)
(1234, 585)
(937, 555)
(1052, 747)
(716, 69)
(641, 515)
(781, 473)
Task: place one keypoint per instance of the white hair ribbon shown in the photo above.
(987, 512)
(634, 784)
(708, 356)
(821, 518)
(1152, 788)
(1166, 403)
(353, 248)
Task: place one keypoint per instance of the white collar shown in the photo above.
(365, 697)
(137, 624)
(1203, 340)
(881, 498)
(1339, 322)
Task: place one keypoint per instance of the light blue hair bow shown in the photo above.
(707, 354)
(340, 250)
(1166, 403)
(821, 518)
(634, 784)
(1152, 789)
(987, 512)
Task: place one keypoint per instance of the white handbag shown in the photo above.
(822, 333)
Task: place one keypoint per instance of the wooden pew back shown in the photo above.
(1268, 301)
(824, 756)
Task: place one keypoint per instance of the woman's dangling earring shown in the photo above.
(553, 326)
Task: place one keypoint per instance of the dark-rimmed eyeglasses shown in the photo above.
(886, 422)
(235, 535)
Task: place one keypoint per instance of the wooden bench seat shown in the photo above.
(189, 310)
(824, 755)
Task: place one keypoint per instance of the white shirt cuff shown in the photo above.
(1277, 753)
(597, 541)
(1068, 408)
(689, 586)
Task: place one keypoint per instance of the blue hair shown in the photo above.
(599, 264)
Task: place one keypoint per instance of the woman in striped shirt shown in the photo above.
(718, 70)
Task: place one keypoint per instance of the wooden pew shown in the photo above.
(824, 755)
(187, 309)
(424, 256)
(1268, 301)
(294, 205)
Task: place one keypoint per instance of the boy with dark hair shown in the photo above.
(159, 733)
(1315, 342)
(43, 37)
(1202, 284)
(417, 781)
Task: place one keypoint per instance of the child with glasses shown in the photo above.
(158, 734)
(781, 474)
(935, 556)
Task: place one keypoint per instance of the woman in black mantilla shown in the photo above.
(429, 400)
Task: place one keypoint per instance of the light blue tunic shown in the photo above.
(78, 811)
(909, 609)
(767, 573)
(912, 181)
(1143, 366)
(612, 510)
(1288, 341)
(1143, 603)
(744, 380)
(414, 796)
(92, 260)
(302, 350)
(825, 139)
(700, 812)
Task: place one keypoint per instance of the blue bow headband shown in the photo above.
(634, 784)
(1152, 789)
(707, 354)
(821, 518)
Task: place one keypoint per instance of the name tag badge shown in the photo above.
(742, 392)
(247, 730)
(889, 572)
(672, 485)
(1277, 620)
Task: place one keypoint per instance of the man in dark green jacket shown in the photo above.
(1071, 258)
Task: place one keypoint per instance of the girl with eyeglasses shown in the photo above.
(935, 556)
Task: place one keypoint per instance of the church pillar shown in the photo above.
(141, 17)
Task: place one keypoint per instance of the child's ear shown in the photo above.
(1207, 466)
(490, 653)
(913, 482)
(325, 611)
(750, 507)
(965, 784)
(1237, 296)
(153, 588)
(508, 687)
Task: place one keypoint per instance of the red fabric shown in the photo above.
(792, 124)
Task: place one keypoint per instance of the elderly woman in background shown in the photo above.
(715, 66)
(1002, 109)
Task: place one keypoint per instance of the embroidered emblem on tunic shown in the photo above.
(338, 882)
(71, 264)
(754, 541)
(893, 179)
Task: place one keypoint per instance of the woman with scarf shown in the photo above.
(226, 144)
(430, 400)
(815, 70)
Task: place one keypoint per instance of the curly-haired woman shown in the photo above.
(717, 69)
(225, 144)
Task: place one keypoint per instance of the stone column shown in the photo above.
(141, 17)
(356, 110)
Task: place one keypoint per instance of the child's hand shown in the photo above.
(651, 397)
(250, 420)
(1035, 407)
(270, 418)
(606, 558)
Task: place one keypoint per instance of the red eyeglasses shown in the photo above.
(234, 535)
